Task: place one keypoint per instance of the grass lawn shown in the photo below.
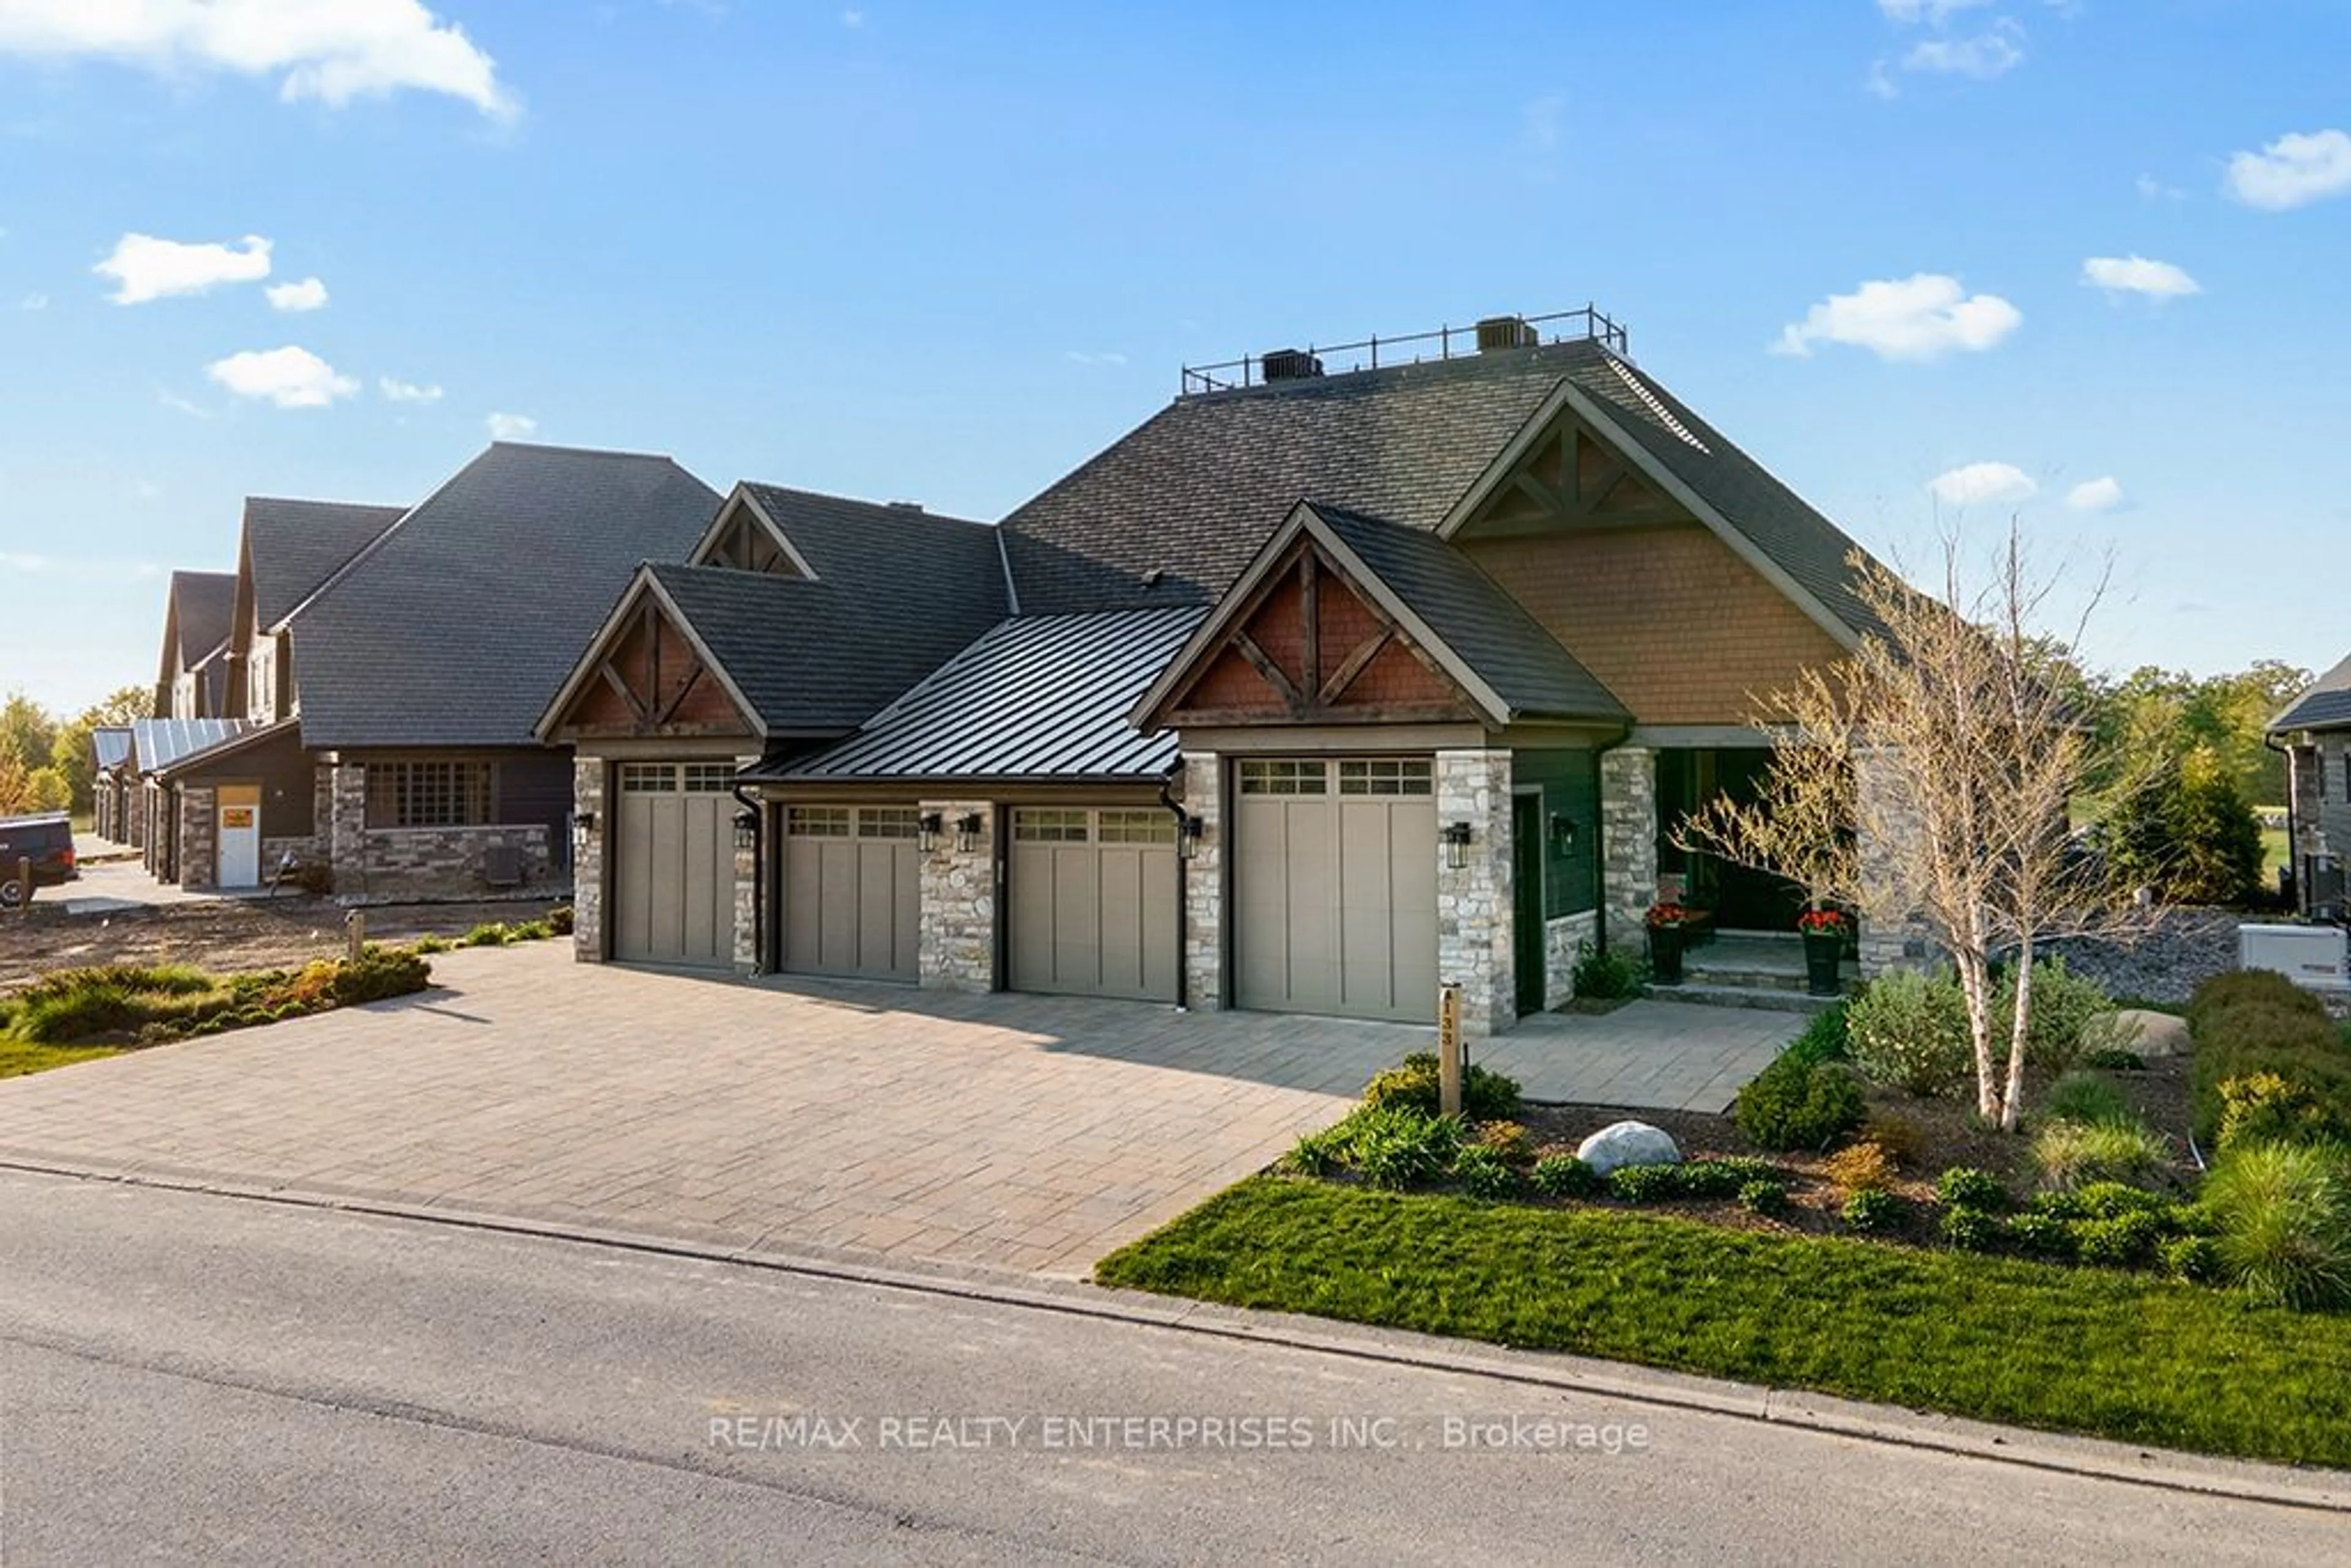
(20, 1057)
(2274, 858)
(2080, 1349)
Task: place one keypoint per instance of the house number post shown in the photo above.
(1448, 1049)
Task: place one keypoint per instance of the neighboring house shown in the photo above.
(192, 679)
(163, 811)
(2314, 733)
(389, 666)
(110, 746)
(1315, 695)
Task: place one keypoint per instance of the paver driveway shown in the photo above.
(1029, 1132)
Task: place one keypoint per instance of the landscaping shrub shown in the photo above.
(1826, 1036)
(2240, 987)
(1768, 1198)
(1485, 1096)
(1399, 1147)
(1970, 1229)
(2042, 1235)
(1860, 1167)
(2124, 1242)
(1644, 1184)
(2253, 1022)
(1796, 1103)
(529, 931)
(1910, 1030)
(1964, 1187)
(2188, 834)
(1484, 1172)
(1564, 1176)
(2195, 1259)
(1872, 1211)
(2084, 1097)
(1508, 1139)
(2072, 1153)
(427, 945)
(1320, 1154)
(2265, 1108)
(1606, 977)
(2282, 1220)
(2115, 1059)
(68, 1005)
(1902, 1139)
(1725, 1178)
(488, 933)
(2063, 1004)
(559, 919)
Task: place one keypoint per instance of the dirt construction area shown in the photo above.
(227, 936)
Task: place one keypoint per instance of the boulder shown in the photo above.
(1622, 1143)
(2149, 1034)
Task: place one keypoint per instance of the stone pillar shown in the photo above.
(1890, 826)
(199, 866)
(958, 902)
(1628, 844)
(345, 835)
(587, 859)
(747, 888)
(1204, 884)
(1474, 907)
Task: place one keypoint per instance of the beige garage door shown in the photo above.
(1334, 887)
(852, 900)
(1094, 902)
(673, 864)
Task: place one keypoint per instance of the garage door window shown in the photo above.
(1137, 827)
(1038, 826)
(709, 777)
(1283, 778)
(648, 777)
(1385, 775)
(818, 821)
(887, 822)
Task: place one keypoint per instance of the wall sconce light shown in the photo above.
(747, 830)
(967, 832)
(1563, 833)
(1187, 836)
(931, 825)
(1456, 845)
(584, 825)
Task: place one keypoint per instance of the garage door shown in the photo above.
(673, 864)
(1334, 887)
(852, 900)
(1094, 899)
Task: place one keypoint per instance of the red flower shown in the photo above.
(1667, 915)
(1820, 920)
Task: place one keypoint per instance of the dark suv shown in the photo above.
(47, 841)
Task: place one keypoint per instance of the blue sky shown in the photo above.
(2079, 262)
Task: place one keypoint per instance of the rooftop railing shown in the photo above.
(1410, 348)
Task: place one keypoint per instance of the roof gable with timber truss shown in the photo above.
(647, 673)
(1344, 618)
(745, 536)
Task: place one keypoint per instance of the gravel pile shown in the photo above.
(2184, 948)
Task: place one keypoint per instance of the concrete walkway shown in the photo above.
(1026, 1133)
(1647, 1055)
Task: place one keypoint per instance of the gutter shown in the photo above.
(2293, 828)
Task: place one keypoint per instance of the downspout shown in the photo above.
(2293, 832)
(758, 878)
(1183, 882)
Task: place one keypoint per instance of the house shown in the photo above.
(109, 747)
(1315, 692)
(386, 667)
(2314, 733)
(193, 680)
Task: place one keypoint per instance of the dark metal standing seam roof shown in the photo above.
(2325, 705)
(1472, 615)
(295, 546)
(110, 746)
(1040, 697)
(160, 742)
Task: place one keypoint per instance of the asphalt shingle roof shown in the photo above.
(200, 605)
(295, 546)
(1040, 697)
(1193, 491)
(1469, 612)
(2325, 705)
(456, 625)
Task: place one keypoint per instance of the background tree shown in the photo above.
(1954, 743)
(2188, 833)
(71, 754)
(28, 733)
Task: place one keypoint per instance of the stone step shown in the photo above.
(1747, 977)
(1767, 999)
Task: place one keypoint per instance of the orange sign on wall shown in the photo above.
(233, 817)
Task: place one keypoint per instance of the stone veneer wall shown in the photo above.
(746, 896)
(199, 866)
(1898, 942)
(381, 865)
(957, 892)
(1628, 843)
(1204, 884)
(1563, 943)
(1473, 903)
(588, 861)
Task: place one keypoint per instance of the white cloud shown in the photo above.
(2137, 275)
(307, 295)
(1922, 316)
(1983, 57)
(144, 267)
(2096, 495)
(1983, 483)
(330, 51)
(2294, 171)
(288, 376)
(394, 390)
(512, 427)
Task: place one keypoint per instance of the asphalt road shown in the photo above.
(195, 1378)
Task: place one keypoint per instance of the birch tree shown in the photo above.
(1928, 778)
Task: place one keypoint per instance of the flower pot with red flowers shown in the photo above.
(1824, 933)
(1668, 934)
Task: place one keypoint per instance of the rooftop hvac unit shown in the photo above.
(1291, 365)
(1497, 332)
(2309, 956)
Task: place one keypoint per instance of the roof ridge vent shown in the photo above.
(1654, 405)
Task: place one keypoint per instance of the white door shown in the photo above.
(238, 846)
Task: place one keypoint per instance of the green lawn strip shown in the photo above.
(20, 1057)
(2112, 1355)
